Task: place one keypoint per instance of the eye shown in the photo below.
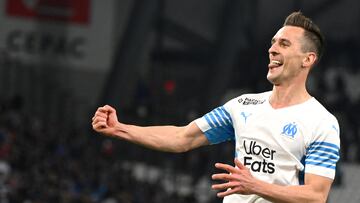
(284, 43)
(272, 41)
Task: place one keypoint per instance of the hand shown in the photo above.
(239, 180)
(105, 120)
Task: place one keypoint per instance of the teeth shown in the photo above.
(276, 62)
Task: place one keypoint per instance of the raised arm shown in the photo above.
(162, 138)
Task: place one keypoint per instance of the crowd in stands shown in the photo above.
(41, 163)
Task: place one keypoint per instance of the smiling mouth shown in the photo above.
(275, 64)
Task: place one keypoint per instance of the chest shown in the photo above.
(263, 132)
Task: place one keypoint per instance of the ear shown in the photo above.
(309, 59)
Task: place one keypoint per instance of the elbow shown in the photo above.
(320, 198)
(181, 149)
(323, 199)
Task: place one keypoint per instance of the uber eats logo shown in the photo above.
(265, 165)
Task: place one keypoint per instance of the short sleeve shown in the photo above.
(217, 125)
(323, 152)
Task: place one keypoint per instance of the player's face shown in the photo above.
(285, 55)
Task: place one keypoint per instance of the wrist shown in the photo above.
(122, 130)
(258, 187)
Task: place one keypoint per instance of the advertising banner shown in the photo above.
(74, 34)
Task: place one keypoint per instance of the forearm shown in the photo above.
(162, 138)
(289, 194)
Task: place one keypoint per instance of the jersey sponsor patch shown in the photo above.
(251, 101)
(252, 149)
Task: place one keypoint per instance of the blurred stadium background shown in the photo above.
(158, 62)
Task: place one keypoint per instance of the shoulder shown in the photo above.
(317, 108)
(325, 123)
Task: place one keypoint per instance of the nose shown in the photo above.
(273, 50)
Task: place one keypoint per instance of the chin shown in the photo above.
(272, 80)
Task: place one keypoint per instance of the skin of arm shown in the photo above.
(162, 138)
(240, 181)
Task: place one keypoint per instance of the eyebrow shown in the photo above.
(282, 40)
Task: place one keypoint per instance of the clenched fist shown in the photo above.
(105, 120)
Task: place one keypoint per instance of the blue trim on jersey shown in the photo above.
(213, 119)
(208, 119)
(322, 154)
(323, 149)
(221, 126)
(318, 158)
(327, 144)
(221, 134)
(220, 119)
(321, 164)
(225, 114)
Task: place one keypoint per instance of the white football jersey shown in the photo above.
(277, 145)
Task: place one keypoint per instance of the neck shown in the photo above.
(284, 96)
